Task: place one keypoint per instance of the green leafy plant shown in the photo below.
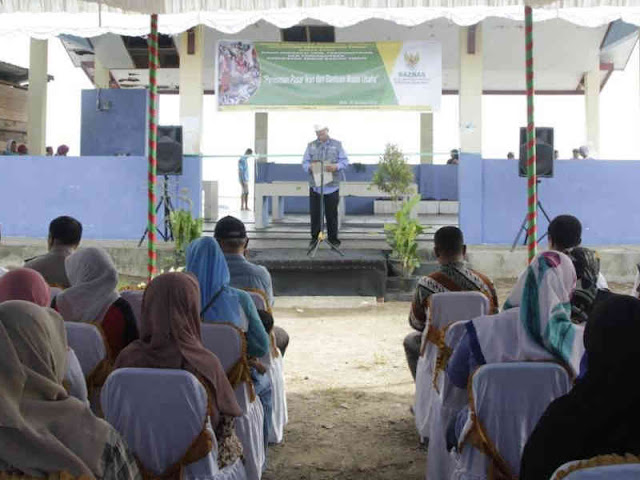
(394, 174)
(402, 237)
(185, 229)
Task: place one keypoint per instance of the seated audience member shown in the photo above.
(225, 304)
(92, 298)
(170, 338)
(49, 151)
(511, 156)
(22, 149)
(28, 285)
(534, 325)
(221, 302)
(454, 157)
(575, 154)
(599, 415)
(556, 155)
(565, 233)
(452, 276)
(62, 151)
(64, 237)
(45, 431)
(12, 148)
(231, 234)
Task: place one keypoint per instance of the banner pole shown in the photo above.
(153, 146)
(532, 180)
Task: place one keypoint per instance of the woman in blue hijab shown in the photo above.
(221, 302)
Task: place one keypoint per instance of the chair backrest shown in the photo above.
(53, 292)
(87, 342)
(453, 398)
(226, 342)
(159, 413)
(604, 472)
(510, 398)
(134, 298)
(448, 307)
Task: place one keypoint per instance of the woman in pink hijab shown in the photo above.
(28, 285)
(170, 338)
(62, 151)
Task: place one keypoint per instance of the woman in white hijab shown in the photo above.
(92, 298)
(43, 431)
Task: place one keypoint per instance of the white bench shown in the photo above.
(275, 190)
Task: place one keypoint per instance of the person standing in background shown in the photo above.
(243, 177)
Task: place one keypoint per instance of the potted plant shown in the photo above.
(185, 230)
(393, 176)
(402, 237)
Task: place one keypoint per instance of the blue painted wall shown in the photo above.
(600, 193)
(119, 130)
(435, 182)
(107, 194)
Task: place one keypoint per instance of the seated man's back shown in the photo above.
(451, 276)
(64, 237)
(51, 266)
(247, 275)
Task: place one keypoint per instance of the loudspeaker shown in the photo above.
(169, 150)
(544, 152)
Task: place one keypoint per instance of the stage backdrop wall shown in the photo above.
(493, 199)
(435, 182)
(107, 194)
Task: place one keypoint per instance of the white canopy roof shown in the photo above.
(49, 18)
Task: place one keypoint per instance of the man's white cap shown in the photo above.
(320, 126)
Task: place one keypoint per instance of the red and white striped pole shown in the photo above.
(532, 179)
(153, 146)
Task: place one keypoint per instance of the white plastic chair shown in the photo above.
(444, 309)
(625, 471)
(445, 405)
(275, 371)
(228, 344)
(89, 347)
(509, 399)
(74, 378)
(160, 413)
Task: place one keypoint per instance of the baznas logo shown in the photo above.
(411, 59)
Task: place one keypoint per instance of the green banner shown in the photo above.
(326, 75)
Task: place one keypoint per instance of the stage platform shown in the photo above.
(294, 273)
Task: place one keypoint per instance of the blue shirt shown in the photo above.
(243, 169)
(343, 161)
(245, 274)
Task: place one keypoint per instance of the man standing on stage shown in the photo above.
(335, 160)
(243, 177)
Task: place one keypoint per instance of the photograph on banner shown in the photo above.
(402, 75)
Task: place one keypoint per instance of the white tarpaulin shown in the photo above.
(48, 18)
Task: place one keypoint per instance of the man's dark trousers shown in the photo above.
(331, 201)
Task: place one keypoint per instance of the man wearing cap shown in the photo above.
(335, 162)
(231, 234)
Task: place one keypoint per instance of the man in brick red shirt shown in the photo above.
(452, 276)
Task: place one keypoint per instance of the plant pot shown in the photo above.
(396, 270)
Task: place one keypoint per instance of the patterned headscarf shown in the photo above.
(587, 265)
